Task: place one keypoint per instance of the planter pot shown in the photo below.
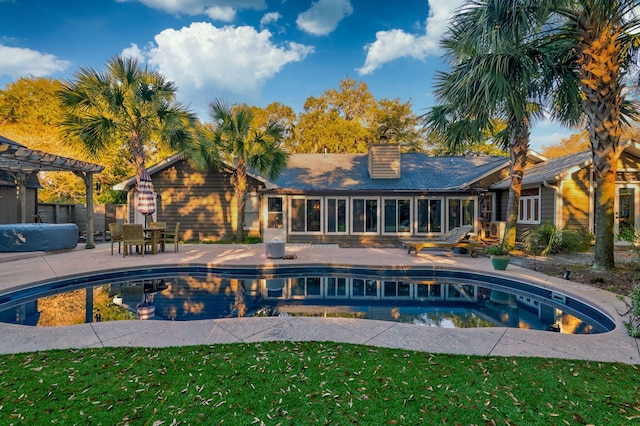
(500, 262)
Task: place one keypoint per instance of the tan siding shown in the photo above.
(628, 161)
(203, 202)
(547, 205)
(492, 178)
(575, 212)
(8, 204)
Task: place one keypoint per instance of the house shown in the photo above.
(203, 202)
(385, 195)
(561, 191)
(357, 198)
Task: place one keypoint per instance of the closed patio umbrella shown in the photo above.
(146, 196)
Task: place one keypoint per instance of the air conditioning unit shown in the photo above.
(496, 229)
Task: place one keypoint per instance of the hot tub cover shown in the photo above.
(27, 237)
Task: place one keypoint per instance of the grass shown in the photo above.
(309, 383)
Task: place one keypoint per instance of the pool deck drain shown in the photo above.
(23, 270)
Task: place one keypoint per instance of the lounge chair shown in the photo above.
(456, 238)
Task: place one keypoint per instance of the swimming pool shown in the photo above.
(429, 297)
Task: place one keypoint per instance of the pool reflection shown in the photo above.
(186, 297)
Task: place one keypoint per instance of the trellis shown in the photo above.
(21, 163)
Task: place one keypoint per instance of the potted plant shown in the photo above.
(499, 254)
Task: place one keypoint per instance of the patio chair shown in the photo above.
(133, 235)
(456, 238)
(172, 238)
(156, 225)
(116, 236)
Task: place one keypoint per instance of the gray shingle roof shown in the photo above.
(335, 172)
(551, 170)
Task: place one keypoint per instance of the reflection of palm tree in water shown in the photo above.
(238, 303)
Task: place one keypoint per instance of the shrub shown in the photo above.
(252, 240)
(633, 305)
(556, 241)
(501, 249)
(575, 240)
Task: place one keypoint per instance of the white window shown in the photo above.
(529, 207)
(396, 290)
(429, 215)
(305, 287)
(336, 215)
(397, 215)
(274, 214)
(364, 288)
(461, 211)
(364, 215)
(306, 215)
(337, 287)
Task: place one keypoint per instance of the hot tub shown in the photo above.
(38, 237)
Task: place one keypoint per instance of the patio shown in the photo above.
(23, 269)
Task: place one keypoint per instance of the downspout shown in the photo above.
(558, 204)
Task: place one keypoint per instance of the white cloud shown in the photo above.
(323, 16)
(224, 14)
(18, 62)
(394, 44)
(223, 10)
(231, 59)
(269, 18)
(134, 51)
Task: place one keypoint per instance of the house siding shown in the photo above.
(628, 161)
(203, 202)
(487, 181)
(547, 208)
(547, 205)
(10, 205)
(576, 205)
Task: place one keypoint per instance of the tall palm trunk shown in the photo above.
(137, 153)
(240, 191)
(600, 78)
(519, 131)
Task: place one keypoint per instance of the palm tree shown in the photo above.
(233, 139)
(495, 75)
(123, 106)
(599, 40)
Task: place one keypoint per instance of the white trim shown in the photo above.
(474, 220)
(531, 200)
(443, 209)
(326, 215)
(290, 218)
(352, 221)
(383, 215)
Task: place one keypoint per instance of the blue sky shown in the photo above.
(253, 51)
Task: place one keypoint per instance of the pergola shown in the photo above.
(21, 163)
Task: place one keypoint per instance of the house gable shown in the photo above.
(202, 201)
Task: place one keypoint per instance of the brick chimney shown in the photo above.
(384, 161)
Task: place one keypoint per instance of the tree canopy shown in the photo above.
(124, 105)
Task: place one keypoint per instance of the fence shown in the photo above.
(103, 215)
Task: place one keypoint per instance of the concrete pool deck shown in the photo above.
(19, 270)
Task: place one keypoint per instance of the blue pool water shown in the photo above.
(437, 298)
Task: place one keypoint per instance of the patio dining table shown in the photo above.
(155, 234)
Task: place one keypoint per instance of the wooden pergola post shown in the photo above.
(87, 178)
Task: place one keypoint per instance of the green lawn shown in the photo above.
(310, 383)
